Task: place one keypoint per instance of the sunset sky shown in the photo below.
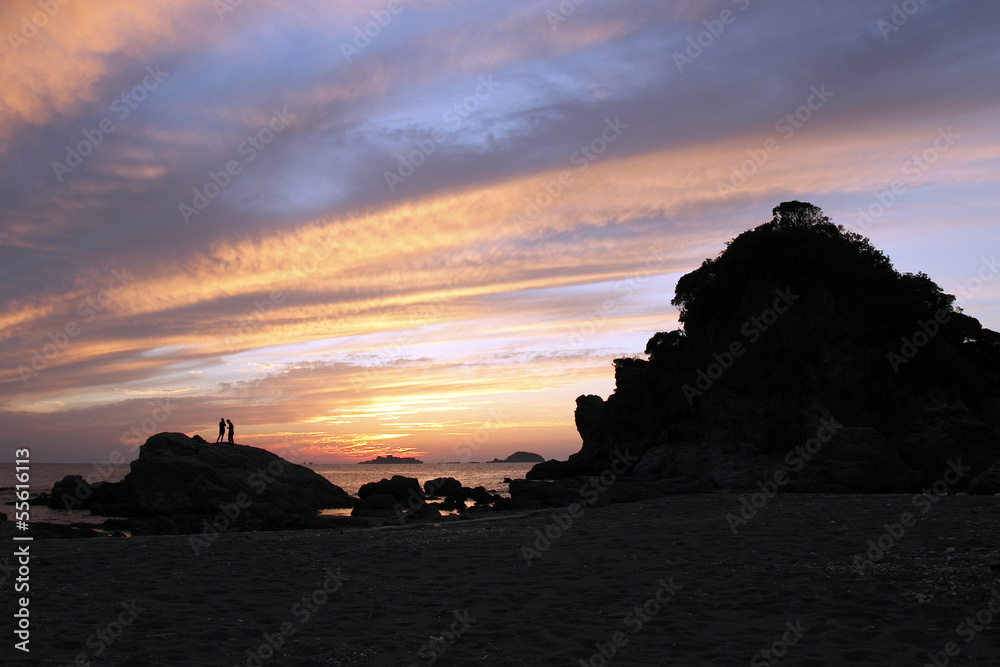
(424, 228)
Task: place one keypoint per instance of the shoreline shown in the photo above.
(707, 596)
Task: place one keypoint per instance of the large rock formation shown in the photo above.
(802, 353)
(176, 475)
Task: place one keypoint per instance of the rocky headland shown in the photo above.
(805, 362)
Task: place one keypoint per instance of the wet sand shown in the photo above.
(663, 582)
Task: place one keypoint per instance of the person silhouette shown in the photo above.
(222, 430)
(231, 430)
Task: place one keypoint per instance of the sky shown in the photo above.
(424, 228)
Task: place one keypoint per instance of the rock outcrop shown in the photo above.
(799, 325)
(178, 475)
(403, 489)
(987, 483)
(442, 487)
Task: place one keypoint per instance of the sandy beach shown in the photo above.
(663, 582)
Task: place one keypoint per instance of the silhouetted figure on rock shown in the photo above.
(232, 429)
(222, 430)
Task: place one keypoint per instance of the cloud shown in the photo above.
(482, 205)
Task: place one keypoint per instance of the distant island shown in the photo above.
(521, 457)
(389, 459)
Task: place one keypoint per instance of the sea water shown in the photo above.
(348, 476)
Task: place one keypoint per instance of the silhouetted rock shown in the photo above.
(424, 512)
(175, 474)
(382, 505)
(74, 492)
(403, 489)
(506, 505)
(797, 325)
(187, 478)
(986, 483)
(520, 457)
(442, 487)
(452, 503)
(389, 459)
(479, 494)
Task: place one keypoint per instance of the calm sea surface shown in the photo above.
(349, 477)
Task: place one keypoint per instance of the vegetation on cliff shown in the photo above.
(796, 321)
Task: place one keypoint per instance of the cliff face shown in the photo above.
(795, 324)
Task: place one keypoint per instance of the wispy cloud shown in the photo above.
(539, 237)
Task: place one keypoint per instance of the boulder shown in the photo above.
(479, 494)
(452, 503)
(443, 487)
(986, 483)
(381, 505)
(175, 474)
(69, 493)
(403, 489)
(424, 512)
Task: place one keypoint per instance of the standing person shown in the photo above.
(231, 430)
(222, 430)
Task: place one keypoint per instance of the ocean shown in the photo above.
(348, 476)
